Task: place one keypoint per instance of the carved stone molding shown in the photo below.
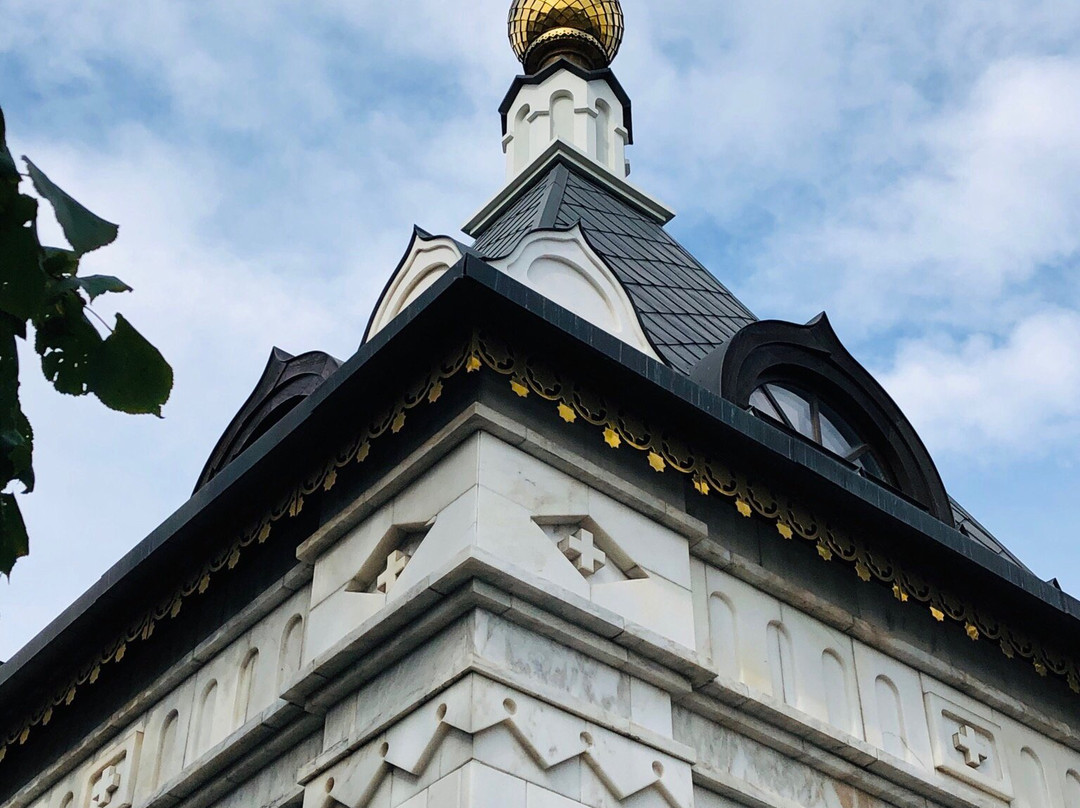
(548, 735)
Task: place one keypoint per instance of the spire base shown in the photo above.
(577, 47)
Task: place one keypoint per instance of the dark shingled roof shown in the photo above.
(685, 311)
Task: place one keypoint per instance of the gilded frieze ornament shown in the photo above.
(587, 32)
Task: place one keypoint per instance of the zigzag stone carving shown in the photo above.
(548, 735)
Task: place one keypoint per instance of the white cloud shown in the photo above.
(996, 199)
(980, 396)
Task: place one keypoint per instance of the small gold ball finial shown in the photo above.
(587, 32)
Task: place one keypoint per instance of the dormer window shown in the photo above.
(801, 378)
(807, 415)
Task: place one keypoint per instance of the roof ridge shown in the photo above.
(555, 195)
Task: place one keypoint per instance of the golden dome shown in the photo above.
(588, 32)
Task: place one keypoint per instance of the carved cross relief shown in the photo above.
(580, 547)
(107, 785)
(382, 569)
(972, 745)
(395, 565)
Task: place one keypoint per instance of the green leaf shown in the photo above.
(9, 364)
(8, 170)
(68, 345)
(17, 209)
(96, 285)
(22, 281)
(14, 543)
(84, 230)
(130, 374)
(17, 453)
(16, 437)
(60, 262)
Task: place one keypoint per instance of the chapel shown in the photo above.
(573, 528)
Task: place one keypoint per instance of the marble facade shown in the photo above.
(514, 626)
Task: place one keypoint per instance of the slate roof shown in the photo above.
(685, 311)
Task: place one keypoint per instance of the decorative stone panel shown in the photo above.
(112, 782)
(968, 747)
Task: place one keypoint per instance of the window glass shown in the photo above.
(832, 439)
(760, 402)
(795, 407)
(809, 416)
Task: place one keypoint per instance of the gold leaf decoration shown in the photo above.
(899, 593)
(657, 462)
(567, 413)
(824, 551)
(3, 752)
(204, 584)
(863, 572)
(94, 674)
(743, 507)
(296, 506)
(611, 438)
(937, 614)
(473, 364)
(70, 697)
(435, 393)
(398, 424)
(972, 631)
(330, 481)
(24, 736)
(785, 530)
(363, 452)
(45, 719)
(701, 486)
(120, 652)
(519, 389)
(234, 558)
(264, 534)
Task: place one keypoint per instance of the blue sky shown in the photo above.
(913, 169)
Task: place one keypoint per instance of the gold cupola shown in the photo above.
(587, 32)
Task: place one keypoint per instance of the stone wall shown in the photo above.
(516, 627)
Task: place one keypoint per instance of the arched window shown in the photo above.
(808, 415)
(802, 378)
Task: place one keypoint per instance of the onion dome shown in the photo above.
(587, 32)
